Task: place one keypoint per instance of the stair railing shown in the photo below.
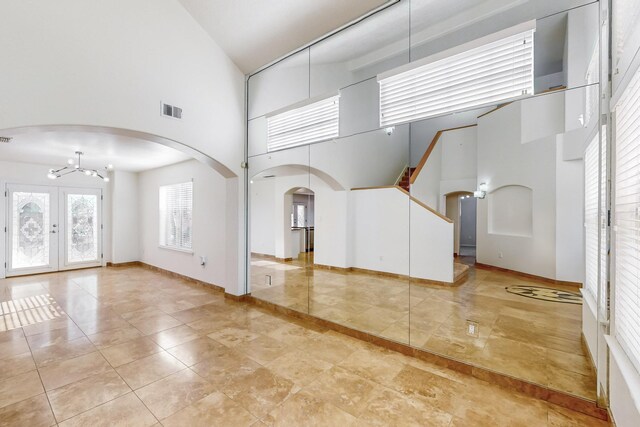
(404, 169)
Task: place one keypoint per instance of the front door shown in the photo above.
(52, 228)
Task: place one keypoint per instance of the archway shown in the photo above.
(228, 238)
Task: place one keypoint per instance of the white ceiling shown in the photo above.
(256, 32)
(100, 149)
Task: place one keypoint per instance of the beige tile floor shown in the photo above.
(132, 347)
(537, 341)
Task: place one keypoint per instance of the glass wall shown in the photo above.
(461, 233)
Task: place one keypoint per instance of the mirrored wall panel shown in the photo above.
(361, 259)
(426, 175)
(510, 182)
(281, 223)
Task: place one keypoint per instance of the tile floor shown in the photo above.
(537, 341)
(132, 347)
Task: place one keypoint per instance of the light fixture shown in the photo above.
(72, 166)
(481, 192)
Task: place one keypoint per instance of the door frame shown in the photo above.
(63, 262)
(53, 231)
(58, 190)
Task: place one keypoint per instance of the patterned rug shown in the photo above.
(545, 294)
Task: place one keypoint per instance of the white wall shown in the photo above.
(503, 160)
(209, 221)
(28, 173)
(110, 64)
(569, 218)
(262, 194)
(125, 204)
(431, 245)
(380, 230)
(451, 167)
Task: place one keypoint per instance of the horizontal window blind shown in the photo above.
(487, 74)
(314, 122)
(176, 210)
(603, 302)
(591, 217)
(627, 220)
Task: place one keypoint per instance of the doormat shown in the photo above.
(545, 294)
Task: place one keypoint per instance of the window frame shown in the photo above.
(326, 107)
(162, 218)
(395, 98)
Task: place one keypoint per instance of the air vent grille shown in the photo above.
(171, 111)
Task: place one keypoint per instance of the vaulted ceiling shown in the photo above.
(256, 32)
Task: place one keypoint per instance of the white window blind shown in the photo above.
(627, 220)
(491, 70)
(604, 216)
(591, 217)
(313, 122)
(176, 210)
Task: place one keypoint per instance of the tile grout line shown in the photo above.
(105, 359)
(44, 389)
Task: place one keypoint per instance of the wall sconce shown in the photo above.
(481, 192)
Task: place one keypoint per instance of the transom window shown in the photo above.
(486, 71)
(312, 122)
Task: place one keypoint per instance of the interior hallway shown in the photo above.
(129, 345)
(535, 340)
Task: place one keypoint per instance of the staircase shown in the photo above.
(404, 179)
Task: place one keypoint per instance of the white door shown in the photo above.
(80, 228)
(52, 228)
(32, 229)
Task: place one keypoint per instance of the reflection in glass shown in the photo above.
(515, 306)
(456, 234)
(82, 228)
(282, 221)
(30, 232)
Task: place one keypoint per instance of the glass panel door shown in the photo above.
(81, 237)
(32, 230)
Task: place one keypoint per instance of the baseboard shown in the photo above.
(237, 298)
(125, 264)
(527, 275)
(505, 381)
(168, 273)
(271, 257)
(412, 280)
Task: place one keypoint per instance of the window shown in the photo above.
(604, 232)
(298, 215)
(176, 208)
(627, 221)
(591, 98)
(591, 217)
(626, 14)
(484, 72)
(311, 122)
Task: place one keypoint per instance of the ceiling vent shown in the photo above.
(5, 139)
(171, 111)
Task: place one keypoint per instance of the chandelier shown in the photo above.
(73, 166)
